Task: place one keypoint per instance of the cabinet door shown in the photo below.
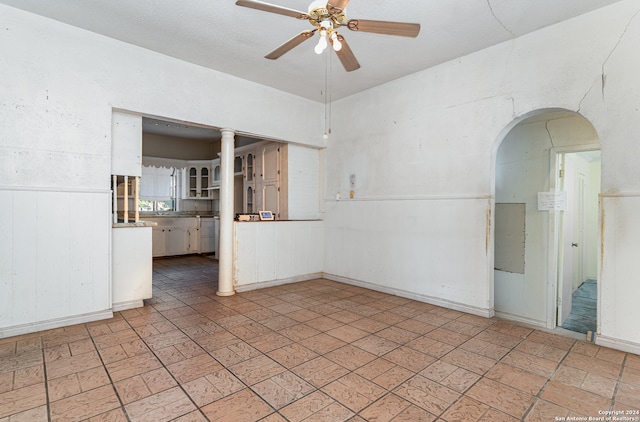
(193, 235)
(270, 179)
(204, 182)
(193, 182)
(177, 240)
(158, 242)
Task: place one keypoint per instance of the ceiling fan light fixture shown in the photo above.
(335, 43)
(322, 42)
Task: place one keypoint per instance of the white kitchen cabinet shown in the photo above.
(215, 173)
(158, 242)
(175, 236)
(261, 170)
(208, 235)
(177, 239)
(198, 180)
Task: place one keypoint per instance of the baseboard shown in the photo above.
(279, 282)
(486, 313)
(17, 330)
(614, 343)
(129, 304)
(533, 323)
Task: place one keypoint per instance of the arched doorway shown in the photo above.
(547, 180)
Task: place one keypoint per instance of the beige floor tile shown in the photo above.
(499, 337)
(470, 361)
(430, 346)
(465, 410)
(243, 406)
(130, 367)
(164, 406)
(409, 358)
(397, 335)
(16, 401)
(531, 363)
(84, 405)
(350, 357)
(354, 391)
(235, 353)
(427, 394)
(192, 368)
(322, 343)
(574, 399)
(37, 414)
(213, 387)
(317, 406)
(257, 369)
(518, 378)
(460, 380)
(387, 375)
(73, 364)
(448, 337)
(376, 345)
(501, 397)
(28, 376)
(385, 409)
(282, 389)
(324, 324)
(320, 371)
(594, 365)
(347, 333)
(292, 355)
(628, 394)
(543, 411)
(22, 360)
(371, 325)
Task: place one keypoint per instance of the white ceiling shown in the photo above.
(220, 35)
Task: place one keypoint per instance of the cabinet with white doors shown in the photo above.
(197, 180)
(209, 227)
(263, 172)
(175, 236)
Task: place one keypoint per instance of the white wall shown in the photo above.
(435, 133)
(272, 253)
(59, 86)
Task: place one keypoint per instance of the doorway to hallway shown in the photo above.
(579, 177)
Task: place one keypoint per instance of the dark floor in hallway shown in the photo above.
(583, 308)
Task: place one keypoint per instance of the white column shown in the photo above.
(225, 251)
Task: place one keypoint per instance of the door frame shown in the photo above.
(554, 248)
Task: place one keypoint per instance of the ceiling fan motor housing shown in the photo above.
(322, 14)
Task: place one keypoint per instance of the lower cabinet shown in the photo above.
(183, 235)
(208, 235)
(175, 236)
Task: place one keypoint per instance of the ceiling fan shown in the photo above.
(326, 18)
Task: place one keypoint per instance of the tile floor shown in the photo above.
(311, 351)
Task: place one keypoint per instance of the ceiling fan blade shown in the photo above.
(402, 29)
(337, 6)
(267, 7)
(346, 56)
(289, 45)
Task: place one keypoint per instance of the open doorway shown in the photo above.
(529, 255)
(579, 177)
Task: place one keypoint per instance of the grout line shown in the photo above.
(104, 366)
(44, 370)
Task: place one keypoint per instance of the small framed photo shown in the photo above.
(266, 216)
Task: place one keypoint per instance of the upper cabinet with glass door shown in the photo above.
(198, 180)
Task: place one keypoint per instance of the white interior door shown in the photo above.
(565, 287)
